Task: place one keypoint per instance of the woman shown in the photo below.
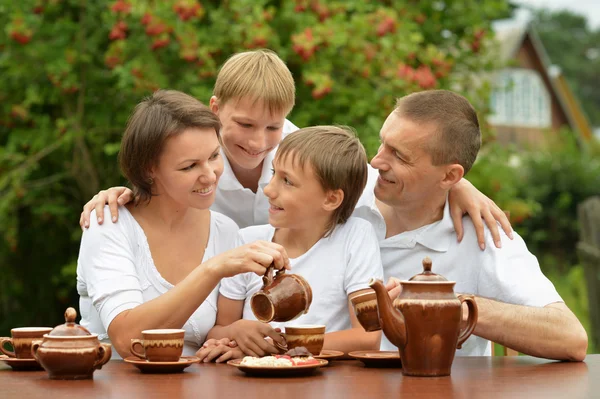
(159, 267)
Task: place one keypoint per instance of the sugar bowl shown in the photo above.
(71, 352)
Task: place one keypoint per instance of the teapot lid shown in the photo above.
(70, 328)
(427, 274)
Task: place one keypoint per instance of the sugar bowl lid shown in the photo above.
(70, 328)
(427, 275)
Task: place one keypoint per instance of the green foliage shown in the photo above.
(71, 71)
(574, 46)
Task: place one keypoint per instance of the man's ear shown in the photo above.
(333, 200)
(453, 173)
(214, 104)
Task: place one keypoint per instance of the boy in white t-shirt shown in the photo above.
(319, 174)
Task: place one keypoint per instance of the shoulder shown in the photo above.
(355, 230)
(253, 233)
(223, 224)
(124, 226)
(510, 248)
(288, 127)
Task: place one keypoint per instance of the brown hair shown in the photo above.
(260, 75)
(338, 158)
(457, 138)
(164, 114)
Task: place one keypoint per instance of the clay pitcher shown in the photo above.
(282, 298)
(424, 322)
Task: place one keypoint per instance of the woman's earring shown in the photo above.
(150, 181)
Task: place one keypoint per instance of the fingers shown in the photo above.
(504, 219)
(457, 214)
(125, 197)
(479, 229)
(101, 199)
(393, 287)
(493, 227)
(277, 253)
(113, 205)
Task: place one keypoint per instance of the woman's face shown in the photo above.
(189, 168)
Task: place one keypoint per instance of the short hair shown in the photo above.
(457, 138)
(259, 75)
(338, 158)
(164, 114)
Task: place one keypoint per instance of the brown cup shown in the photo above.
(21, 341)
(282, 298)
(164, 345)
(365, 308)
(309, 336)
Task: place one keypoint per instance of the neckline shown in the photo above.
(148, 253)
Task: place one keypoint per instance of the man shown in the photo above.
(428, 143)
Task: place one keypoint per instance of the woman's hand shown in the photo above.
(465, 198)
(393, 287)
(254, 257)
(114, 197)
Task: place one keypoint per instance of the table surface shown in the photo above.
(472, 377)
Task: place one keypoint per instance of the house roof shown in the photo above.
(511, 35)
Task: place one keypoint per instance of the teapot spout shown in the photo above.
(391, 320)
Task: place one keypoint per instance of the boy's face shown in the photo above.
(249, 131)
(189, 168)
(297, 199)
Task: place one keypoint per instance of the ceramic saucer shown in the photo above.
(290, 371)
(162, 367)
(378, 358)
(21, 364)
(329, 355)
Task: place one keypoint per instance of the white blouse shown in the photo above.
(115, 272)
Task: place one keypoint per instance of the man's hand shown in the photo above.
(393, 287)
(219, 351)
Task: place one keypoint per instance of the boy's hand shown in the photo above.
(114, 197)
(465, 198)
(219, 351)
(254, 257)
(393, 287)
(250, 337)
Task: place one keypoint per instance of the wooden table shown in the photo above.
(474, 377)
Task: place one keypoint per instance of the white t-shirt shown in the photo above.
(334, 267)
(510, 274)
(115, 272)
(241, 204)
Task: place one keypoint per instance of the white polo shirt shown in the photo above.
(510, 274)
(115, 272)
(241, 204)
(334, 267)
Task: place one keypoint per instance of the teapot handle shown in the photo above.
(471, 320)
(268, 276)
(104, 355)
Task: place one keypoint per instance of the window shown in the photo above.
(520, 99)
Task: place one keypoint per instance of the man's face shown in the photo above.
(249, 131)
(406, 174)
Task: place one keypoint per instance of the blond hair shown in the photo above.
(260, 75)
(164, 114)
(457, 138)
(338, 158)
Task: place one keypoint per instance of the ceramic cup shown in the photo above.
(365, 308)
(282, 298)
(21, 341)
(164, 345)
(309, 336)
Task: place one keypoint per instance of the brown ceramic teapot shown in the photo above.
(282, 298)
(424, 322)
(71, 352)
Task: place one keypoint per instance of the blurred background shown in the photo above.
(72, 70)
